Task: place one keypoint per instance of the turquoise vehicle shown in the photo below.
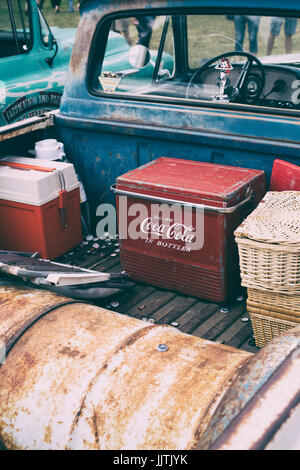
(33, 61)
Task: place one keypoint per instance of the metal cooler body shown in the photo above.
(157, 246)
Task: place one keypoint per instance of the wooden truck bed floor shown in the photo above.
(191, 315)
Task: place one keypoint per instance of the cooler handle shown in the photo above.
(24, 166)
(222, 210)
(62, 201)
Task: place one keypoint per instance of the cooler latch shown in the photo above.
(63, 200)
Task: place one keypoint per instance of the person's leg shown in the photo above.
(275, 28)
(240, 24)
(289, 29)
(71, 8)
(253, 24)
(270, 44)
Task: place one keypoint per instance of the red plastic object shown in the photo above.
(285, 176)
(30, 228)
(211, 272)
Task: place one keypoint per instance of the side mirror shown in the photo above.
(139, 56)
(50, 60)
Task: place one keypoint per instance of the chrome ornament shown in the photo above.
(225, 68)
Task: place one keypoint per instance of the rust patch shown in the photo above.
(70, 352)
(48, 435)
(25, 364)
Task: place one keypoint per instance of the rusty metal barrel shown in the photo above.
(77, 376)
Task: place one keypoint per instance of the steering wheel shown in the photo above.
(236, 90)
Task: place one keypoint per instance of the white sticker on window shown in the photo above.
(109, 81)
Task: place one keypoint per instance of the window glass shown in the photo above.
(233, 59)
(15, 31)
(132, 54)
(45, 30)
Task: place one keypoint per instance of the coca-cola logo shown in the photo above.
(175, 231)
(164, 225)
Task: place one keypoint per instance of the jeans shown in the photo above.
(240, 27)
(71, 8)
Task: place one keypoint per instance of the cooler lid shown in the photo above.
(190, 178)
(22, 181)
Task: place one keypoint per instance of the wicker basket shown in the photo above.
(269, 244)
(275, 302)
(266, 327)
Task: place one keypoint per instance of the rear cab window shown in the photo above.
(250, 61)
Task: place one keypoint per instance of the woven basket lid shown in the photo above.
(275, 220)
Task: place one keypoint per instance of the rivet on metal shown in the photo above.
(115, 304)
(245, 319)
(225, 310)
(162, 347)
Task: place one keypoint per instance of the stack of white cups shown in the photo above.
(49, 149)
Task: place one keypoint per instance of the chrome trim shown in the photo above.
(222, 210)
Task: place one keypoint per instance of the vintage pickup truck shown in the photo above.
(79, 376)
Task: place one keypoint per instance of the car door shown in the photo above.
(29, 83)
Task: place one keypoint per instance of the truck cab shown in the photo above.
(33, 61)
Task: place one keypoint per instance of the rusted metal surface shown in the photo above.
(259, 398)
(25, 127)
(20, 307)
(259, 421)
(83, 377)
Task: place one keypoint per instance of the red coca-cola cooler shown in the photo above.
(176, 221)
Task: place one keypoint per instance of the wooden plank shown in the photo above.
(237, 333)
(196, 315)
(133, 296)
(106, 265)
(249, 346)
(173, 309)
(150, 304)
(243, 334)
(218, 322)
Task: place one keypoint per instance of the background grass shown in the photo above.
(63, 19)
(201, 44)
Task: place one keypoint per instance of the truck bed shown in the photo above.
(191, 315)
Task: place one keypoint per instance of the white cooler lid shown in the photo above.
(32, 186)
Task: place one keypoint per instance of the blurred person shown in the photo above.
(290, 25)
(122, 26)
(240, 23)
(56, 5)
(144, 26)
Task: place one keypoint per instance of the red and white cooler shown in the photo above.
(39, 206)
(176, 221)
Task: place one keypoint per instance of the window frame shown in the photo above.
(181, 60)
